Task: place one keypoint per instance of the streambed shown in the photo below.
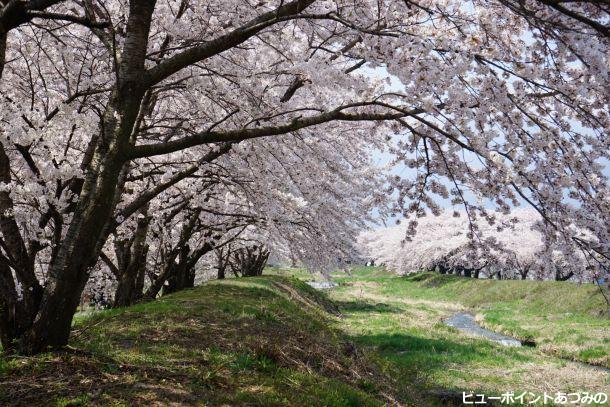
(322, 285)
(465, 322)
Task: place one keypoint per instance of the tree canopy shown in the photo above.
(163, 130)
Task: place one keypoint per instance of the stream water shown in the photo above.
(322, 285)
(466, 322)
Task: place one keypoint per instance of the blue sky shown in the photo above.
(383, 158)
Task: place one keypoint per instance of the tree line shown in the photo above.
(139, 138)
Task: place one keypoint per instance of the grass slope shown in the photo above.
(562, 318)
(400, 318)
(256, 341)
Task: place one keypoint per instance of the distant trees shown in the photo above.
(162, 130)
(512, 247)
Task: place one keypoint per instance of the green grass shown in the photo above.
(544, 296)
(253, 341)
(275, 341)
(294, 272)
(401, 319)
(351, 273)
(562, 318)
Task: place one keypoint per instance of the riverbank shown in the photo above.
(374, 339)
(260, 341)
(402, 319)
(560, 318)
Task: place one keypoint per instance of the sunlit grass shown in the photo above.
(401, 318)
(275, 341)
(248, 341)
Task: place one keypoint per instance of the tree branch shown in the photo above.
(84, 21)
(225, 42)
(231, 136)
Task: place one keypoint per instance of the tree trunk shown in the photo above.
(184, 273)
(81, 245)
(223, 255)
(132, 265)
(17, 313)
(221, 269)
(130, 286)
(11, 312)
(563, 277)
(182, 279)
(179, 279)
(251, 261)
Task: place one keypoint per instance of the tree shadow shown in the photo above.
(419, 360)
(432, 279)
(363, 306)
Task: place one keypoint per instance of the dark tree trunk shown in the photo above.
(184, 273)
(250, 261)
(132, 265)
(221, 273)
(563, 277)
(180, 277)
(222, 257)
(474, 272)
(176, 263)
(18, 314)
(131, 283)
(80, 247)
(11, 312)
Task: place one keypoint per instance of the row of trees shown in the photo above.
(139, 136)
(508, 247)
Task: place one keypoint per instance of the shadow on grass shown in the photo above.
(255, 341)
(432, 279)
(428, 355)
(420, 360)
(363, 306)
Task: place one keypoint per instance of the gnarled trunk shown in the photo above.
(181, 276)
(131, 255)
(79, 249)
(250, 261)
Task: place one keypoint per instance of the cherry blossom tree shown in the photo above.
(251, 197)
(511, 246)
(108, 105)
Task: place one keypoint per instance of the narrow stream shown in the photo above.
(322, 285)
(466, 322)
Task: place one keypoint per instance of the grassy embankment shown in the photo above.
(257, 341)
(401, 318)
(275, 341)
